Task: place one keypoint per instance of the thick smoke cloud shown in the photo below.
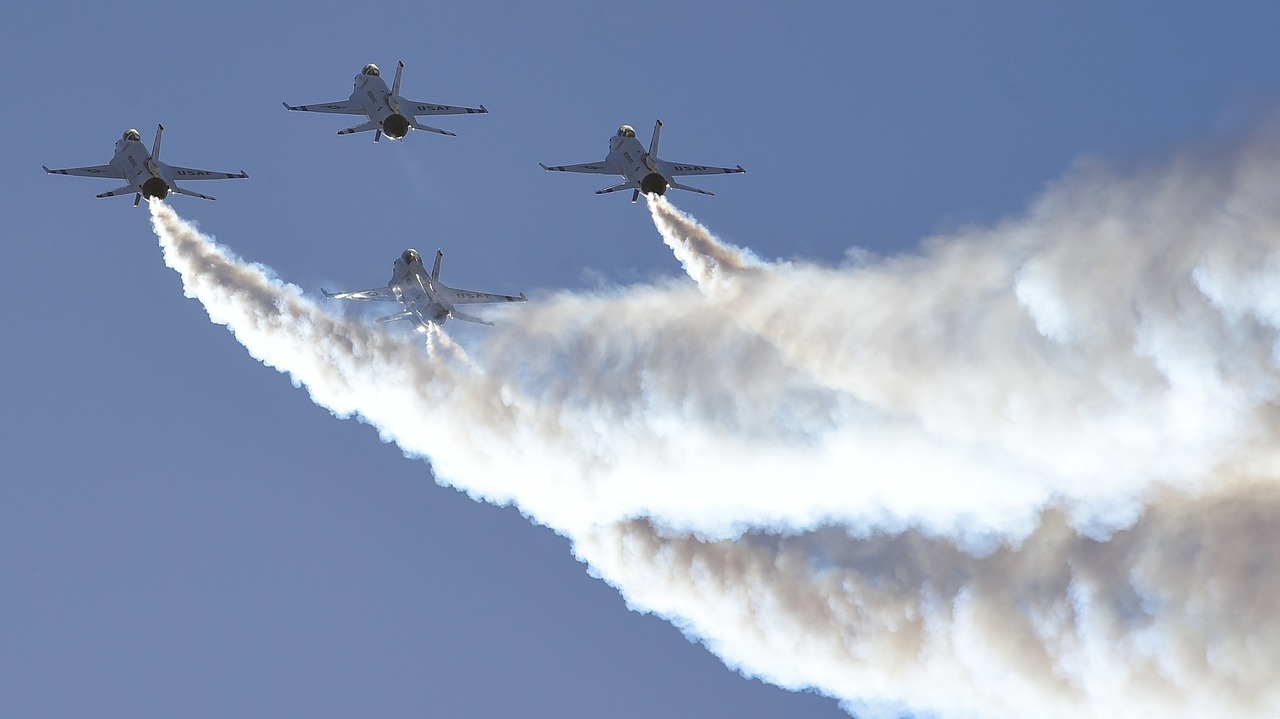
(1029, 470)
(1174, 616)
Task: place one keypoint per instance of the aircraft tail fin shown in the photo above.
(395, 85)
(435, 269)
(402, 315)
(155, 146)
(653, 144)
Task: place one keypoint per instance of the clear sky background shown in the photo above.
(183, 533)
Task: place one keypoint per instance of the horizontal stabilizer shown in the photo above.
(615, 188)
(427, 128)
(402, 315)
(126, 190)
(362, 127)
(689, 188)
(189, 193)
(456, 315)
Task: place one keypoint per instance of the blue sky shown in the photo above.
(183, 532)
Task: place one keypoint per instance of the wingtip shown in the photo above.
(287, 106)
(742, 169)
(548, 169)
(46, 169)
(484, 109)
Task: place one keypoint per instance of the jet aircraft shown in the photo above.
(387, 112)
(427, 300)
(144, 174)
(643, 171)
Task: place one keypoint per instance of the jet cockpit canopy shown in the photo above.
(411, 256)
(626, 131)
(132, 135)
(370, 69)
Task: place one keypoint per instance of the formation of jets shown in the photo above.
(427, 301)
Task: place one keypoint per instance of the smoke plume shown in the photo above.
(1027, 470)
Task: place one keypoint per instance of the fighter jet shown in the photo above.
(643, 171)
(144, 174)
(387, 111)
(427, 300)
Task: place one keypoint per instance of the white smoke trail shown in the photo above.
(1028, 471)
(1174, 617)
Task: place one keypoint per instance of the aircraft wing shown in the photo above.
(341, 107)
(409, 107)
(187, 173)
(470, 297)
(380, 294)
(675, 169)
(94, 171)
(596, 168)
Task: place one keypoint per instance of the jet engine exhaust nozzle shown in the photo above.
(396, 126)
(653, 184)
(155, 187)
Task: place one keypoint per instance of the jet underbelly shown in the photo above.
(412, 291)
(371, 94)
(632, 164)
(134, 163)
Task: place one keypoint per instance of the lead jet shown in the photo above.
(144, 174)
(387, 112)
(643, 171)
(427, 300)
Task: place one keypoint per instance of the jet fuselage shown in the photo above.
(381, 106)
(413, 286)
(629, 157)
(140, 171)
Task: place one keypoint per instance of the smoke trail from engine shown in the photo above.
(1028, 470)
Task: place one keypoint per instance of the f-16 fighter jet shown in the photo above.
(643, 171)
(144, 174)
(427, 300)
(387, 112)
